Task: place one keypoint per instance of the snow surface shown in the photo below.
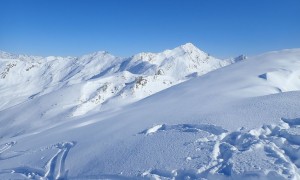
(62, 121)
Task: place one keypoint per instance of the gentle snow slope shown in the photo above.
(240, 121)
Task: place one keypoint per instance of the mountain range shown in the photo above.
(178, 114)
(100, 80)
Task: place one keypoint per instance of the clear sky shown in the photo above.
(223, 28)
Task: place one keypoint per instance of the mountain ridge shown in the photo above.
(126, 79)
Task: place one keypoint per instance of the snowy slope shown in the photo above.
(240, 121)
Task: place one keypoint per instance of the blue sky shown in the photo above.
(125, 27)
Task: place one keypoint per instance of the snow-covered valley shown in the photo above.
(178, 114)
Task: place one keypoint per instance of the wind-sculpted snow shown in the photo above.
(283, 79)
(206, 151)
(185, 128)
(271, 151)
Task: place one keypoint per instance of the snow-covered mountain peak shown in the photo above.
(189, 47)
(6, 55)
(179, 63)
(186, 52)
(23, 57)
(181, 50)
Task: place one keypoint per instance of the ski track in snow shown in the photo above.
(56, 165)
(4, 148)
(54, 168)
(280, 142)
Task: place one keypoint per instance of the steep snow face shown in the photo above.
(240, 121)
(99, 81)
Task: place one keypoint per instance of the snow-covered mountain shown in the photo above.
(74, 118)
(99, 80)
